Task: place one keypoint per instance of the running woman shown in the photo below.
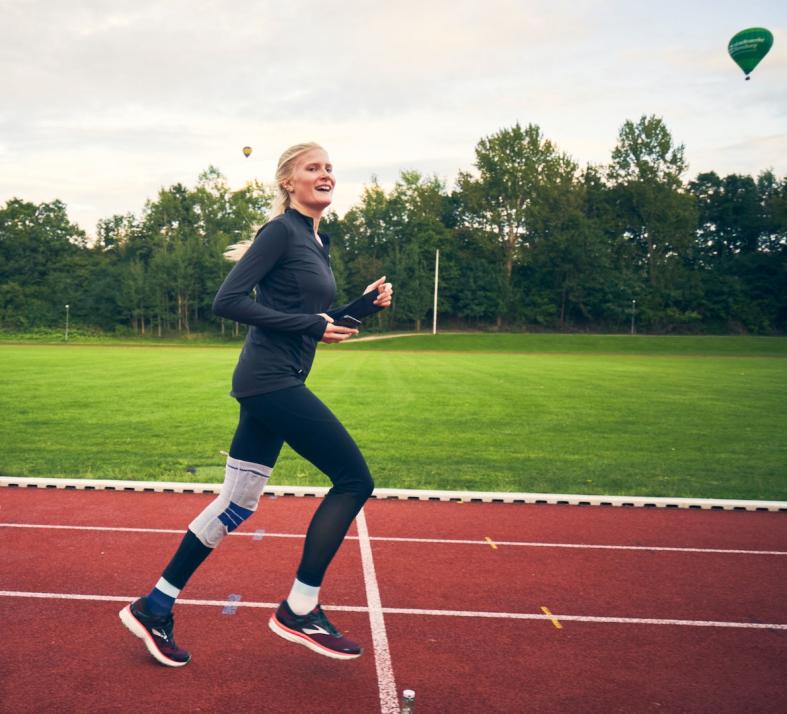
(288, 264)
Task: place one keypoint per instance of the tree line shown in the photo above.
(528, 239)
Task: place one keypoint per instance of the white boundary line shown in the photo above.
(421, 612)
(130, 529)
(583, 546)
(409, 494)
(389, 700)
(588, 618)
(439, 541)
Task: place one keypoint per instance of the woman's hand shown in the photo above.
(385, 290)
(335, 333)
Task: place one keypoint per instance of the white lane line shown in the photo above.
(589, 546)
(445, 541)
(91, 528)
(130, 598)
(588, 618)
(128, 529)
(420, 612)
(389, 700)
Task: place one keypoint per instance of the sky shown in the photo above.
(103, 102)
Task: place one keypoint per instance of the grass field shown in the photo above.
(550, 343)
(662, 416)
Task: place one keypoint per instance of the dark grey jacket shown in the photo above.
(294, 282)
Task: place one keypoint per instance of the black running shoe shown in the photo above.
(155, 632)
(314, 631)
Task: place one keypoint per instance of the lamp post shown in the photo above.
(633, 310)
(67, 323)
(436, 279)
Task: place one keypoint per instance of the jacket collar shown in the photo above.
(309, 221)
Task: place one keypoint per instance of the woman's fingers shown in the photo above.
(376, 284)
(385, 296)
(336, 333)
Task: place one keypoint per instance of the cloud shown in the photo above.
(746, 157)
(107, 100)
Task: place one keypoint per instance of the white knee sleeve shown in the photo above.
(244, 482)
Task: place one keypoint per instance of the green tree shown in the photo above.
(121, 252)
(366, 234)
(515, 169)
(37, 245)
(224, 217)
(335, 228)
(646, 173)
(415, 209)
(396, 234)
(730, 215)
(570, 260)
(471, 281)
(656, 217)
(181, 240)
(742, 235)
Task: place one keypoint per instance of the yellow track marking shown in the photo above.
(491, 542)
(555, 621)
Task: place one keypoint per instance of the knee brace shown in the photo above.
(240, 493)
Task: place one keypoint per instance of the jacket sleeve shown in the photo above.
(234, 302)
(360, 308)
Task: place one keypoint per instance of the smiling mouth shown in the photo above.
(325, 189)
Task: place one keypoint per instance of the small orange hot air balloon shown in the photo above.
(247, 151)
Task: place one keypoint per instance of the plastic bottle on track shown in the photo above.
(408, 702)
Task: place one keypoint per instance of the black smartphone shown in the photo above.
(347, 321)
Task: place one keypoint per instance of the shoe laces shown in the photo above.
(167, 626)
(324, 622)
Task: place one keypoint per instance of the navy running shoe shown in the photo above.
(314, 631)
(155, 632)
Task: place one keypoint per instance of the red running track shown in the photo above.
(647, 625)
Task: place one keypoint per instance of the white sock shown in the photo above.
(303, 598)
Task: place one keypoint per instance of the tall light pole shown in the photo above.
(633, 310)
(436, 279)
(66, 323)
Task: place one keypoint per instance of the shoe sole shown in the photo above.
(301, 639)
(136, 628)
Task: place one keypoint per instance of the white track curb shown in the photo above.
(406, 494)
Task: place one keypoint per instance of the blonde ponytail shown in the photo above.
(281, 199)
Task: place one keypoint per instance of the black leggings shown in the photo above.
(297, 416)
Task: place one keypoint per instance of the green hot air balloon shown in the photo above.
(748, 47)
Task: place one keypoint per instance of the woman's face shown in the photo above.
(311, 184)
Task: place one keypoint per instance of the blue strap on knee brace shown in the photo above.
(233, 516)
